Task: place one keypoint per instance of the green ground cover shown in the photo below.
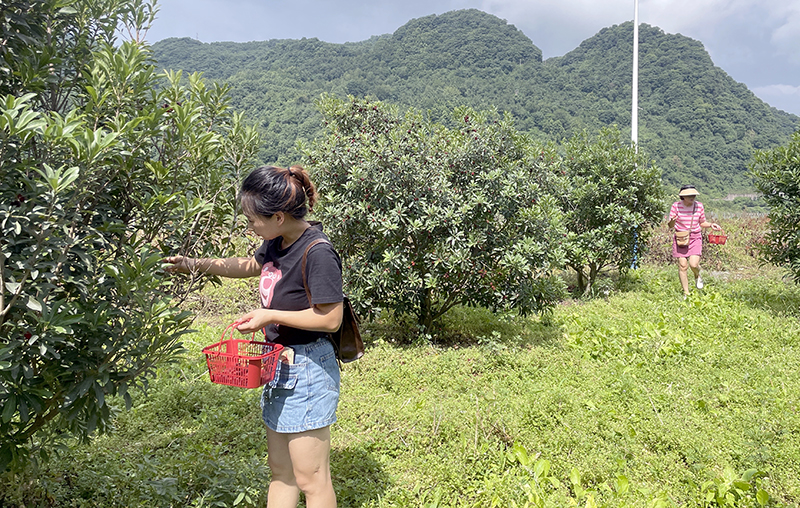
(635, 399)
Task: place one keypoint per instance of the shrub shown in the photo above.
(776, 174)
(611, 202)
(103, 171)
(427, 218)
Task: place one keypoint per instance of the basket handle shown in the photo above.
(233, 326)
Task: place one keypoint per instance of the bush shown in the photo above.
(776, 173)
(427, 218)
(611, 201)
(103, 171)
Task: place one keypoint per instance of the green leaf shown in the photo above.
(741, 485)
(748, 475)
(6, 455)
(623, 484)
(521, 454)
(542, 468)
(99, 394)
(575, 476)
(9, 408)
(34, 305)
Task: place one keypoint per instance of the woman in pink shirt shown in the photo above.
(689, 215)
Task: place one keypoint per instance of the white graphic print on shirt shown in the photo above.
(269, 278)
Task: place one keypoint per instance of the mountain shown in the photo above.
(699, 124)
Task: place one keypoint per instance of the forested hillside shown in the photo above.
(697, 122)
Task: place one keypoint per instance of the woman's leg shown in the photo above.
(283, 489)
(303, 463)
(683, 267)
(694, 264)
(311, 453)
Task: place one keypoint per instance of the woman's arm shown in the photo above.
(673, 215)
(325, 317)
(225, 267)
(712, 225)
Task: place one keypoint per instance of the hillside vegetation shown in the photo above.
(699, 124)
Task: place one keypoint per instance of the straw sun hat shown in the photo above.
(688, 190)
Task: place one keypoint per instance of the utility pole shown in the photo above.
(635, 87)
(635, 112)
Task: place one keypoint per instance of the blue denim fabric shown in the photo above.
(303, 396)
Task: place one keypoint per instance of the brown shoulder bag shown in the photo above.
(682, 237)
(347, 339)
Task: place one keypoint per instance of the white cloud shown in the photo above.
(786, 38)
(778, 90)
(692, 16)
(785, 97)
(556, 26)
(778, 21)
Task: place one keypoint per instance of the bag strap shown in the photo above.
(308, 291)
(303, 266)
(691, 222)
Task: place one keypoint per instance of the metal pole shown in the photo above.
(635, 87)
(635, 111)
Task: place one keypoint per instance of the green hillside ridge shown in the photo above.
(693, 116)
(699, 124)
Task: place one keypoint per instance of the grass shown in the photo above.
(634, 399)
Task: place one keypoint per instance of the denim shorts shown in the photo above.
(303, 396)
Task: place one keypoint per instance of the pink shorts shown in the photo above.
(695, 247)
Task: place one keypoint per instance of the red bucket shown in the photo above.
(241, 362)
(717, 237)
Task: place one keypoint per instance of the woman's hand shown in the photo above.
(254, 321)
(715, 226)
(179, 264)
(325, 318)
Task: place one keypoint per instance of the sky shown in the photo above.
(755, 41)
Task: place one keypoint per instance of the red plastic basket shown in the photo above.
(717, 237)
(241, 362)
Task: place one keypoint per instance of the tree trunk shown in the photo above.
(581, 280)
(593, 270)
(425, 317)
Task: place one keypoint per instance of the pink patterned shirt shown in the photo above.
(685, 219)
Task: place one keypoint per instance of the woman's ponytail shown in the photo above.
(306, 184)
(270, 189)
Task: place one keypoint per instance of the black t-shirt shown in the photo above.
(281, 285)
